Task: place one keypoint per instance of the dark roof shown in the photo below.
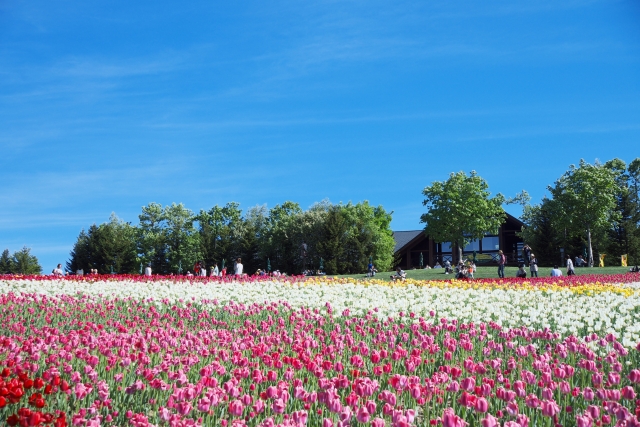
(402, 238)
(514, 219)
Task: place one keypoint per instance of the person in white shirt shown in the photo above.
(400, 275)
(58, 271)
(238, 267)
(556, 272)
(147, 270)
(215, 271)
(203, 272)
(570, 270)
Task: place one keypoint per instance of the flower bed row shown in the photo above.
(579, 310)
(97, 361)
(566, 281)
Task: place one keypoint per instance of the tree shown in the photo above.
(152, 240)
(25, 263)
(461, 210)
(546, 234)
(6, 263)
(586, 196)
(107, 246)
(251, 236)
(368, 235)
(83, 254)
(283, 238)
(330, 245)
(183, 242)
(219, 229)
(623, 237)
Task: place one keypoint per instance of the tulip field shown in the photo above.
(259, 351)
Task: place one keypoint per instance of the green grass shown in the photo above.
(491, 272)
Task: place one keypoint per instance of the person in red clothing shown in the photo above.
(196, 268)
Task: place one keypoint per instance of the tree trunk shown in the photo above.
(459, 252)
(590, 248)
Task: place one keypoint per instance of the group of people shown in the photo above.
(199, 269)
(532, 262)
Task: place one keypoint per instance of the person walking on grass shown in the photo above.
(533, 265)
(502, 260)
(570, 270)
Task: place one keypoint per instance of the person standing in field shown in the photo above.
(526, 254)
(58, 271)
(238, 267)
(147, 270)
(502, 260)
(214, 271)
(570, 270)
(533, 265)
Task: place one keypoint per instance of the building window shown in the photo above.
(491, 243)
(472, 246)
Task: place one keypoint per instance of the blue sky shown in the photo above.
(106, 106)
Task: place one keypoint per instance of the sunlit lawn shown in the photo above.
(491, 272)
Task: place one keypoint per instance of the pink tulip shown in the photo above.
(549, 408)
(278, 406)
(628, 393)
(588, 394)
(532, 401)
(371, 406)
(489, 421)
(512, 408)
(327, 423)
(468, 383)
(345, 414)
(363, 415)
(378, 422)
(522, 420)
(593, 411)
(584, 421)
(183, 408)
(450, 419)
(300, 417)
(481, 405)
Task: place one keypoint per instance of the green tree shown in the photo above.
(6, 263)
(624, 235)
(283, 238)
(586, 196)
(368, 235)
(152, 239)
(251, 236)
(183, 242)
(25, 263)
(634, 189)
(220, 230)
(107, 246)
(83, 255)
(461, 210)
(330, 246)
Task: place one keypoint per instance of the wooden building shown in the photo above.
(410, 244)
